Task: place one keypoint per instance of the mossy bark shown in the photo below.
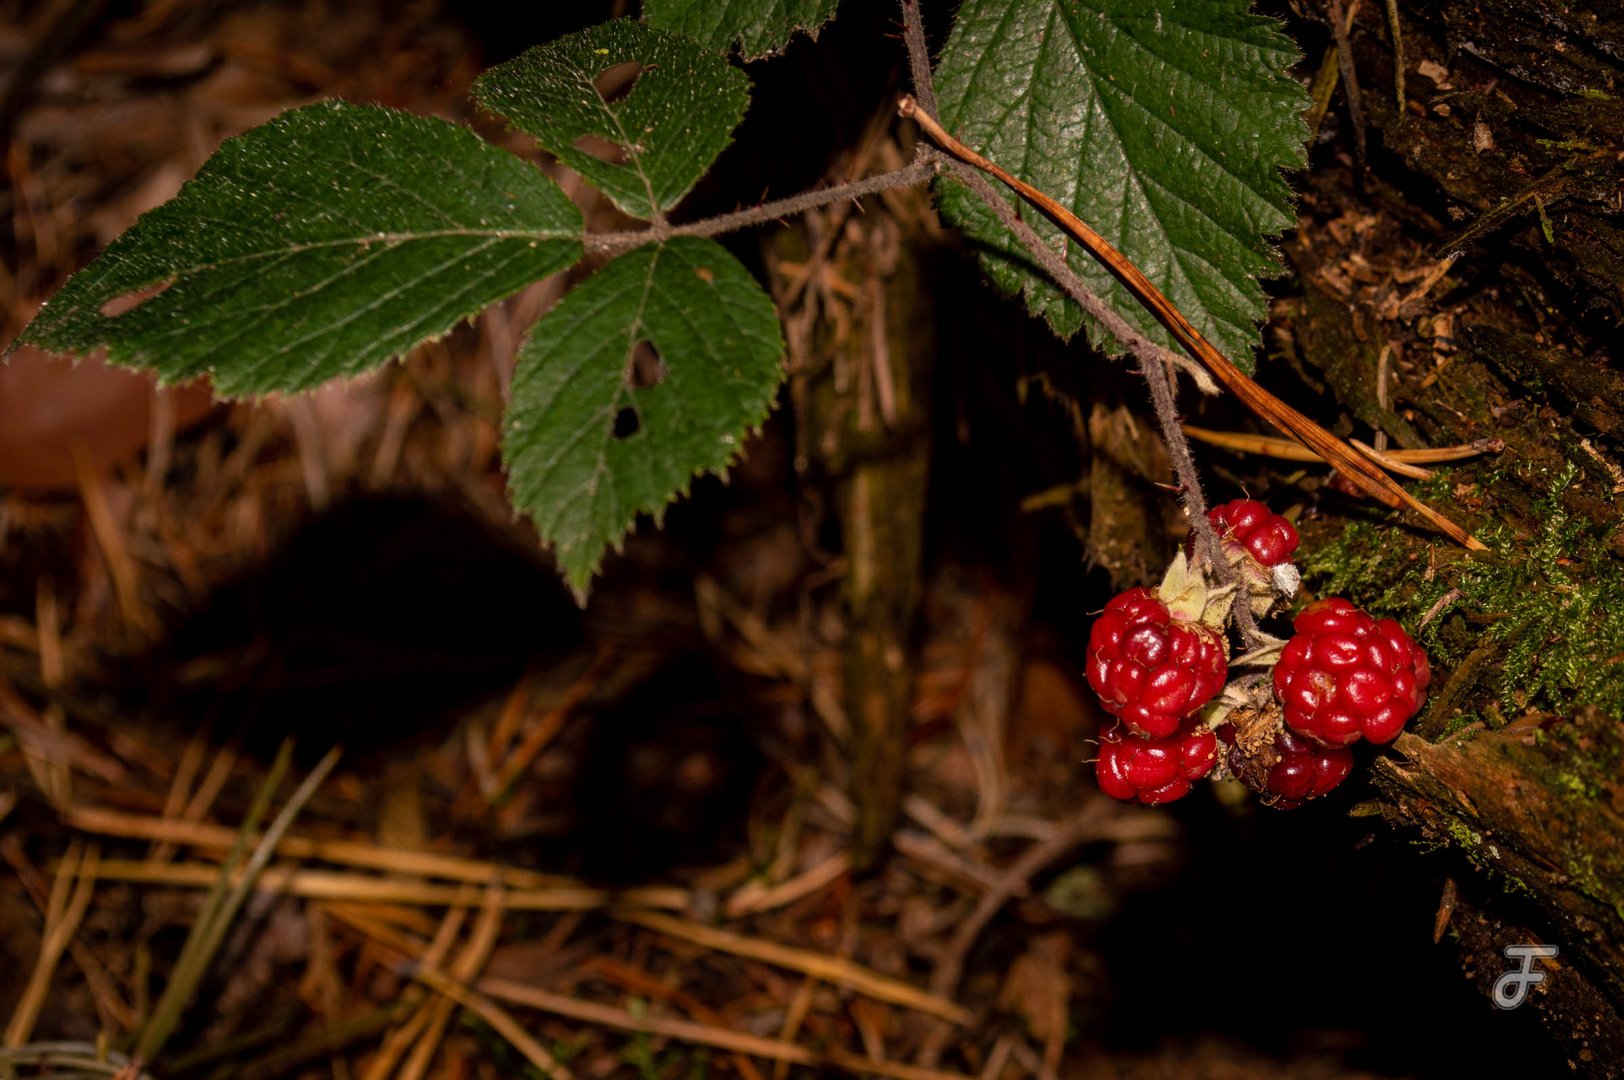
(1537, 809)
(1476, 264)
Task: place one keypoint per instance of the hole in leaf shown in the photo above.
(615, 82)
(644, 368)
(605, 150)
(627, 423)
(124, 303)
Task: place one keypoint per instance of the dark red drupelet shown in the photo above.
(1305, 770)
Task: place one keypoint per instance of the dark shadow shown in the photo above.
(662, 778)
(371, 622)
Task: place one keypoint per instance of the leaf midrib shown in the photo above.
(391, 240)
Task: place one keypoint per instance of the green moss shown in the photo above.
(1544, 608)
(1471, 844)
(1464, 836)
(1581, 871)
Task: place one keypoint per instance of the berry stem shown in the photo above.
(1359, 470)
(1208, 545)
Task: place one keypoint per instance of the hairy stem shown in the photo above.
(613, 243)
(1156, 364)
(913, 32)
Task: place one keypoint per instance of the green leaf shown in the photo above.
(1163, 126)
(759, 27)
(662, 135)
(586, 450)
(321, 244)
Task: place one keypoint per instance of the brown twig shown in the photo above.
(1292, 450)
(1360, 470)
(1398, 56)
(1341, 25)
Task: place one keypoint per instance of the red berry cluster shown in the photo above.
(1259, 531)
(1159, 660)
(1151, 668)
(1346, 676)
(1287, 769)
(1155, 771)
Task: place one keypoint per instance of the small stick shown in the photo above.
(1389, 462)
(1398, 55)
(1292, 450)
(1363, 473)
(1341, 26)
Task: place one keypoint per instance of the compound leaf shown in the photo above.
(1164, 126)
(645, 148)
(587, 445)
(758, 27)
(321, 244)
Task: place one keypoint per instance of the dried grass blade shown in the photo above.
(400, 1039)
(463, 971)
(590, 1012)
(64, 912)
(342, 852)
(360, 888)
(498, 1018)
(415, 951)
(833, 969)
(56, 1058)
(227, 897)
(1390, 462)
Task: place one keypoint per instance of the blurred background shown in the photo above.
(572, 802)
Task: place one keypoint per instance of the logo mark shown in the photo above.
(1511, 989)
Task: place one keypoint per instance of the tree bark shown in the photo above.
(1476, 265)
